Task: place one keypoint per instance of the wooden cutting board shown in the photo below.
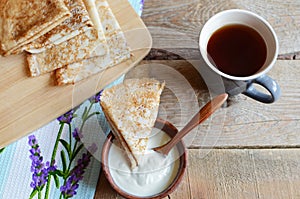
(27, 103)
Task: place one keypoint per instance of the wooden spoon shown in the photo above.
(201, 116)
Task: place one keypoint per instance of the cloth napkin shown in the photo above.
(61, 159)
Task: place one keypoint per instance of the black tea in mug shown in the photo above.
(237, 50)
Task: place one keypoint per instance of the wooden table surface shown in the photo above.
(246, 149)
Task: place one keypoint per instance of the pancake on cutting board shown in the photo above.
(71, 27)
(73, 50)
(90, 43)
(21, 22)
(118, 50)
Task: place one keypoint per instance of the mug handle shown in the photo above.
(266, 82)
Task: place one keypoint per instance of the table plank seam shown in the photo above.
(194, 54)
(244, 147)
(262, 122)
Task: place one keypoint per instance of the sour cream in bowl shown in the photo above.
(156, 176)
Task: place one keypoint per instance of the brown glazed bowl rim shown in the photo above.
(171, 130)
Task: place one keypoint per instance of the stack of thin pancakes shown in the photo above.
(73, 38)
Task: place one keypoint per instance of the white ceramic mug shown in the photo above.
(256, 22)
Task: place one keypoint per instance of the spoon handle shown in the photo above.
(201, 116)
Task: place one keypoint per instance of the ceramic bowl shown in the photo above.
(166, 127)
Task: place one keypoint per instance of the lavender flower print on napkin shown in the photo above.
(67, 176)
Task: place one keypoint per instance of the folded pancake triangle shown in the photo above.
(131, 109)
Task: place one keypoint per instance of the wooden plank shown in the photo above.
(233, 173)
(176, 24)
(244, 123)
(249, 174)
(28, 103)
(252, 124)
